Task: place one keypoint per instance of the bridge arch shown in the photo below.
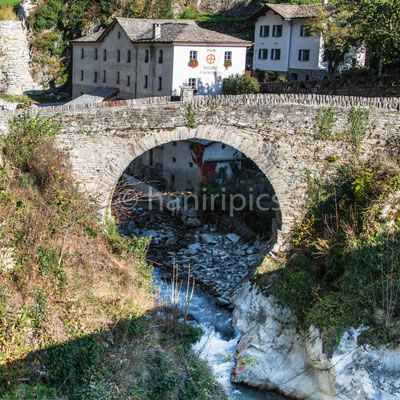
(252, 145)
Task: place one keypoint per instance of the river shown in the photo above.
(218, 343)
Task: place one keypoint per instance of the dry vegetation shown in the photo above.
(78, 317)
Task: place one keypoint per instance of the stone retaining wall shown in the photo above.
(15, 77)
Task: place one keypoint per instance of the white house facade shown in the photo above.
(182, 165)
(282, 43)
(136, 58)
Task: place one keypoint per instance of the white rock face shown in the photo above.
(273, 355)
(26, 8)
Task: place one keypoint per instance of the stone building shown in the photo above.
(145, 58)
(283, 44)
(183, 165)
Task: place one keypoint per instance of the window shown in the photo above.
(95, 77)
(146, 81)
(104, 76)
(192, 83)
(193, 55)
(173, 159)
(172, 178)
(304, 31)
(174, 144)
(129, 56)
(81, 75)
(96, 54)
(264, 30)
(277, 31)
(262, 54)
(104, 55)
(223, 146)
(119, 35)
(119, 56)
(276, 54)
(191, 165)
(160, 56)
(128, 81)
(82, 54)
(228, 56)
(159, 83)
(304, 55)
(146, 56)
(117, 77)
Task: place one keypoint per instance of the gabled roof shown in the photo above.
(289, 11)
(172, 31)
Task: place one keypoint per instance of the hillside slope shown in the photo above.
(78, 316)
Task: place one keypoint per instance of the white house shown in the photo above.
(183, 165)
(282, 43)
(143, 58)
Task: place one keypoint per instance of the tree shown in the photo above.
(338, 34)
(378, 23)
(240, 84)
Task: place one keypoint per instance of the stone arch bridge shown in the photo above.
(276, 131)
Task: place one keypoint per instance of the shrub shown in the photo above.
(190, 117)
(325, 123)
(357, 128)
(343, 267)
(188, 13)
(48, 15)
(240, 84)
(24, 136)
(282, 79)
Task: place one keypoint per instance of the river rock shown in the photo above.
(222, 302)
(233, 237)
(209, 239)
(172, 241)
(195, 246)
(192, 222)
(296, 364)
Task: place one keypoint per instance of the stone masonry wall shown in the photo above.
(15, 77)
(276, 131)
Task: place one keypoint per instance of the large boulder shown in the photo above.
(294, 363)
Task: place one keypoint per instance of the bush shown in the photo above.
(240, 84)
(325, 123)
(25, 135)
(282, 79)
(343, 268)
(48, 15)
(189, 13)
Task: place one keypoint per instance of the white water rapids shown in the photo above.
(218, 343)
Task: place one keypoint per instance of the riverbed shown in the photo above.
(218, 261)
(218, 343)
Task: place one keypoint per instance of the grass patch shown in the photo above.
(12, 3)
(7, 12)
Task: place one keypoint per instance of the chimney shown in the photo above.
(156, 31)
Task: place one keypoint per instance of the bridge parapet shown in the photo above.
(388, 103)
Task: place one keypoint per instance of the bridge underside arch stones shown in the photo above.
(276, 131)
